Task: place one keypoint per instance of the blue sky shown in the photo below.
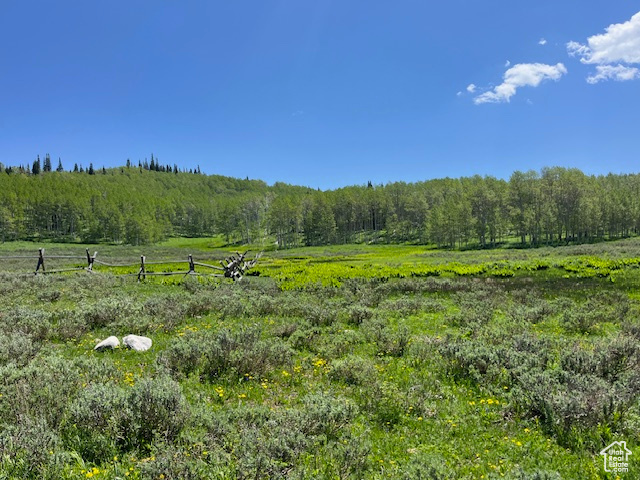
(323, 93)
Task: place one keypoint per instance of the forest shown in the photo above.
(147, 203)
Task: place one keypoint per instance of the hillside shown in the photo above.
(137, 206)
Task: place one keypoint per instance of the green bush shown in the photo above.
(356, 314)
(169, 461)
(353, 370)
(324, 414)
(41, 389)
(97, 425)
(16, 348)
(106, 311)
(322, 315)
(30, 450)
(388, 341)
(166, 310)
(157, 411)
(225, 352)
(37, 324)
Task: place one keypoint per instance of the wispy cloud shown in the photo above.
(507, 64)
(612, 52)
(542, 41)
(614, 72)
(471, 88)
(521, 75)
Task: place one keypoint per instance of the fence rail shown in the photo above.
(233, 267)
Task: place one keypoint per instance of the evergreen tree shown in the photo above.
(128, 163)
(36, 166)
(91, 171)
(47, 163)
(60, 168)
(75, 168)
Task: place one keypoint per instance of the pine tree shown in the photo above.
(75, 168)
(36, 166)
(47, 163)
(60, 168)
(128, 163)
(91, 171)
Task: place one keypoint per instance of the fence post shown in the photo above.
(141, 273)
(40, 261)
(90, 260)
(192, 267)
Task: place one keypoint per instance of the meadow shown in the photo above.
(356, 361)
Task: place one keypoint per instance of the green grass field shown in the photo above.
(356, 361)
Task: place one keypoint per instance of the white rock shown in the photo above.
(111, 342)
(137, 343)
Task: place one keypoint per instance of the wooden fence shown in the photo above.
(233, 266)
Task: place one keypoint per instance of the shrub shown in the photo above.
(216, 354)
(166, 310)
(321, 315)
(40, 389)
(109, 310)
(29, 450)
(26, 321)
(98, 422)
(326, 415)
(581, 319)
(185, 355)
(168, 461)
(304, 338)
(385, 401)
(426, 467)
(387, 340)
(197, 305)
(158, 411)
(17, 349)
(267, 445)
(353, 370)
(356, 314)
(348, 458)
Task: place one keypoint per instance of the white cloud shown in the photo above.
(521, 75)
(609, 51)
(471, 88)
(542, 41)
(507, 63)
(575, 48)
(614, 72)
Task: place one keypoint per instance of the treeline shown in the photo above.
(39, 166)
(134, 204)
